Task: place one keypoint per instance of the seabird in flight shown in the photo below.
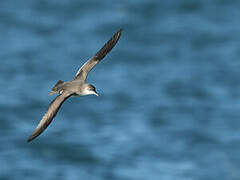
(77, 86)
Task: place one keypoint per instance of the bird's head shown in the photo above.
(90, 89)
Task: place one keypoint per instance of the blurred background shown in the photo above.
(169, 104)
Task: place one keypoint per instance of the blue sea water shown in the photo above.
(169, 90)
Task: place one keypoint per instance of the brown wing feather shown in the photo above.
(49, 115)
(84, 70)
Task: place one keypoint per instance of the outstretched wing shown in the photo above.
(49, 115)
(84, 70)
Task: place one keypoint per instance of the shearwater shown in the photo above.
(77, 86)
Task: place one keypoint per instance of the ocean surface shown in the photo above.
(169, 104)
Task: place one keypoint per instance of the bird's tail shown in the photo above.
(56, 87)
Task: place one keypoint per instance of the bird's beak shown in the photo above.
(95, 93)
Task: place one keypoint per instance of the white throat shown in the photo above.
(88, 92)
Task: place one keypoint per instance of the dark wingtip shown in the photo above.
(30, 138)
(120, 30)
(33, 136)
(109, 45)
